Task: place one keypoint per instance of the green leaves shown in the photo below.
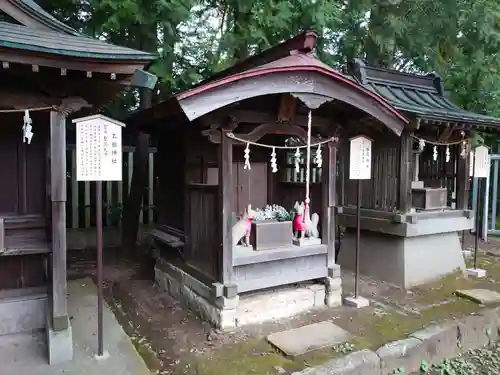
(460, 39)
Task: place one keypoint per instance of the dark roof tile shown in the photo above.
(24, 38)
(421, 95)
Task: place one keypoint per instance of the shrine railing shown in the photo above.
(81, 202)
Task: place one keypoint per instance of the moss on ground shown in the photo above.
(371, 328)
(370, 332)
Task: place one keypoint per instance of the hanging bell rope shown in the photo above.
(308, 157)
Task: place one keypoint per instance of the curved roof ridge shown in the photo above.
(419, 94)
(36, 12)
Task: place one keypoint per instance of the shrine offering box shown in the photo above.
(428, 199)
(271, 234)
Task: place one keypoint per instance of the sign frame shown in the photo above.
(482, 162)
(98, 148)
(360, 157)
(92, 148)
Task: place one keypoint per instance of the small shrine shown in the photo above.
(247, 183)
(49, 72)
(415, 207)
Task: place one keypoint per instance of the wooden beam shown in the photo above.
(226, 206)
(462, 181)
(404, 172)
(276, 128)
(280, 128)
(58, 197)
(69, 63)
(259, 117)
(329, 192)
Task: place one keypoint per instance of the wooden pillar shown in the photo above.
(462, 181)
(58, 199)
(329, 192)
(226, 207)
(405, 149)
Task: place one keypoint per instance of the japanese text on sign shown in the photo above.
(98, 150)
(360, 162)
(481, 159)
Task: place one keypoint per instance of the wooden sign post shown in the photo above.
(360, 168)
(480, 169)
(99, 158)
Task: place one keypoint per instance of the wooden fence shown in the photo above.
(81, 203)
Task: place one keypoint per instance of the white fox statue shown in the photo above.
(305, 224)
(243, 228)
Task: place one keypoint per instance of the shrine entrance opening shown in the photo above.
(22, 167)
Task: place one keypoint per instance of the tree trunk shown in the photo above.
(132, 208)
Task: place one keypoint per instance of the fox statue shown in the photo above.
(242, 229)
(304, 224)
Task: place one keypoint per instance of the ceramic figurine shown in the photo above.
(305, 224)
(242, 229)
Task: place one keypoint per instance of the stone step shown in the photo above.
(298, 341)
(22, 310)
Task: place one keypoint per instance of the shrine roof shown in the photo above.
(28, 39)
(293, 57)
(422, 96)
(31, 9)
(35, 30)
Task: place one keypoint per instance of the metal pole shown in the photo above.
(99, 269)
(476, 240)
(358, 237)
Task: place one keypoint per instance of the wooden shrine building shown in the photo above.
(241, 138)
(410, 235)
(48, 72)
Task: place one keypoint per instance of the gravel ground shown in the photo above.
(477, 362)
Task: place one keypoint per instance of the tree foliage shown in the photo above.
(459, 39)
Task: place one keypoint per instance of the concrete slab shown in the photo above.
(481, 296)
(27, 353)
(298, 341)
(476, 272)
(357, 302)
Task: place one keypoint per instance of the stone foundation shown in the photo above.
(404, 261)
(22, 310)
(248, 308)
(59, 343)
